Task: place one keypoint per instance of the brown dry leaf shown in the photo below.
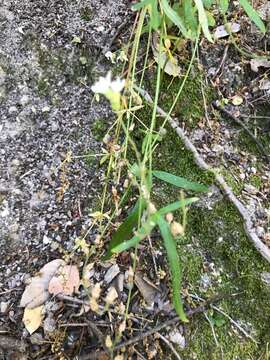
(36, 293)
(168, 64)
(148, 290)
(32, 318)
(67, 281)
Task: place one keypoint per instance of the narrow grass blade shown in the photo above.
(142, 4)
(253, 15)
(179, 181)
(174, 17)
(125, 229)
(190, 16)
(176, 205)
(174, 265)
(141, 234)
(223, 5)
(203, 19)
(149, 225)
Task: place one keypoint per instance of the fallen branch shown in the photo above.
(248, 225)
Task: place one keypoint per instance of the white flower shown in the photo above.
(102, 85)
(105, 84)
(117, 85)
(111, 89)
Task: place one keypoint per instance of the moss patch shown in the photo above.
(215, 246)
(99, 128)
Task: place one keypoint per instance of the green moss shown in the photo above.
(236, 186)
(90, 159)
(190, 108)
(99, 128)
(43, 86)
(256, 181)
(86, 13)
(212, 236)
(220, 239)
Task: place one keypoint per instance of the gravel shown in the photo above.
(47, 111)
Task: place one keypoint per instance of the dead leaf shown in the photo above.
(111, 273)
(36, 293)
(67, 281)
(32, 318)
(148, 290)
(168, 63)
(222, 32)
(256, 63)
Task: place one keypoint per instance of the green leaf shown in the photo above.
(125, 229)
(142, 4)
(155, 17)
(176, 205)
(174, 265)
(253, 15)
(149, 225)
(141, 234)
(190, 16)
(223, 5)
(179, 181)
(208, 3)
(203, 19)
(174, 17)
(210, 18)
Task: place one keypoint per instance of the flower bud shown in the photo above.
(176, 229)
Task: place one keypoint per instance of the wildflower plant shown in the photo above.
(145, 215)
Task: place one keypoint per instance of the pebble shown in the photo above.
(4, 307)
(2, 76)
(13, 109)
(24, 100)
(177, 338)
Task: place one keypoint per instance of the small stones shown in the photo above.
(24, 100)
(4, 305)
(3, 76)
(265, 277)
(177, 338)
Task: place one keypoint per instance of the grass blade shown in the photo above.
(176, 205)
(174, 17)
(223, 5)
(142, 4)
(179, 181)
(174, 265)
(253, 15)
(148, 226)
(141, 234)
(125, 229)
(203, 19)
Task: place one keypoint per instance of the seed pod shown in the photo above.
(176, 229)
(169, 217)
